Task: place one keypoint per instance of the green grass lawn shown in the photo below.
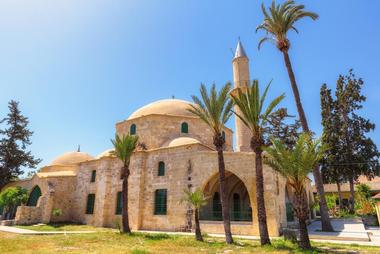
(138, 243)
(62, 227)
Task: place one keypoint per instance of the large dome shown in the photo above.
(181, 141)
(71, 158)
(171, 107)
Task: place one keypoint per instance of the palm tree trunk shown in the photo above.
(352, 196)
(325, 219)
(302, 213)
(304, 234)
(341, 207)
(198, 234)
(261, 213)
(223, 196)
(125, 217)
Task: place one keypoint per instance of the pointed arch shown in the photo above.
(34, 196)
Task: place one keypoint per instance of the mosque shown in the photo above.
(177, 153)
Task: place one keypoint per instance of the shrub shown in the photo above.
(11, 198)
(57, 212)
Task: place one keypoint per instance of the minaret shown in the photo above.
(240, 65)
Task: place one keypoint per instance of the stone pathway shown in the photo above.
(22, 231)
(345, 230)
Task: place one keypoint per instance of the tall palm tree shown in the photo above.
(255, 117)
(295, 164)
(278, 21)
(214, 109)
(197, 199)
(124, 148)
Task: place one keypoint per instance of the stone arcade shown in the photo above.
(179, 154)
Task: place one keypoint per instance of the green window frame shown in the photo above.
(160, 202)
(161, 168)
(90, 203)
(132, 129)
(93, 176)
(34, 195)
(184, 128)
(119, 203)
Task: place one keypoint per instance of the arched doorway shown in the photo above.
(238, 199)
(34, 195)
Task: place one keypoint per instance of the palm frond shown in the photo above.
(213, 107)
(295, 164)
(124, 147)
(279, 19)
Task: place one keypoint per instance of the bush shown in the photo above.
(11, 198)
(57, 212)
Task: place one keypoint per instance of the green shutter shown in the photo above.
(184, 128)
(119, 203)
(161, 168)
(160, 201)
(35, 194)
(93, 176)
(132, 129)
(90, 204)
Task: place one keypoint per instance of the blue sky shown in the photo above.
(78, 67)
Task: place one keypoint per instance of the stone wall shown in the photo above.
(27, 215)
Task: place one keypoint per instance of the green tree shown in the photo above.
(255, 117)
(10, 199)
(278, 126)
(364, 191)
(295, 165)
(278, 21)
(214, 108)
(354, 152)
(197, 199)
(124, 148)
(333, 155)
(13, 145)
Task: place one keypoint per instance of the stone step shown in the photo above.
(7, 222)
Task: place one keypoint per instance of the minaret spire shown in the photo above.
(240, 65)
(240, 52)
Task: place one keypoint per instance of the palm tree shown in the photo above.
(255, 118)
(278, 21)
(214, 109)
(295, 164)
(124, 148)
(197, 199)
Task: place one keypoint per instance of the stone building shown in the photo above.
(178, 154)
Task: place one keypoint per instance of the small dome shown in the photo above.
(181, 141)
(106, 153)
(172, 107)
(71, 158)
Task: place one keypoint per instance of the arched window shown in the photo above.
(161, 168)
(132, 129)
(93, 176)
(160, 202)
(224, 135)
(184, 128)
(90, 203)
(216, 206)
(35, 194)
